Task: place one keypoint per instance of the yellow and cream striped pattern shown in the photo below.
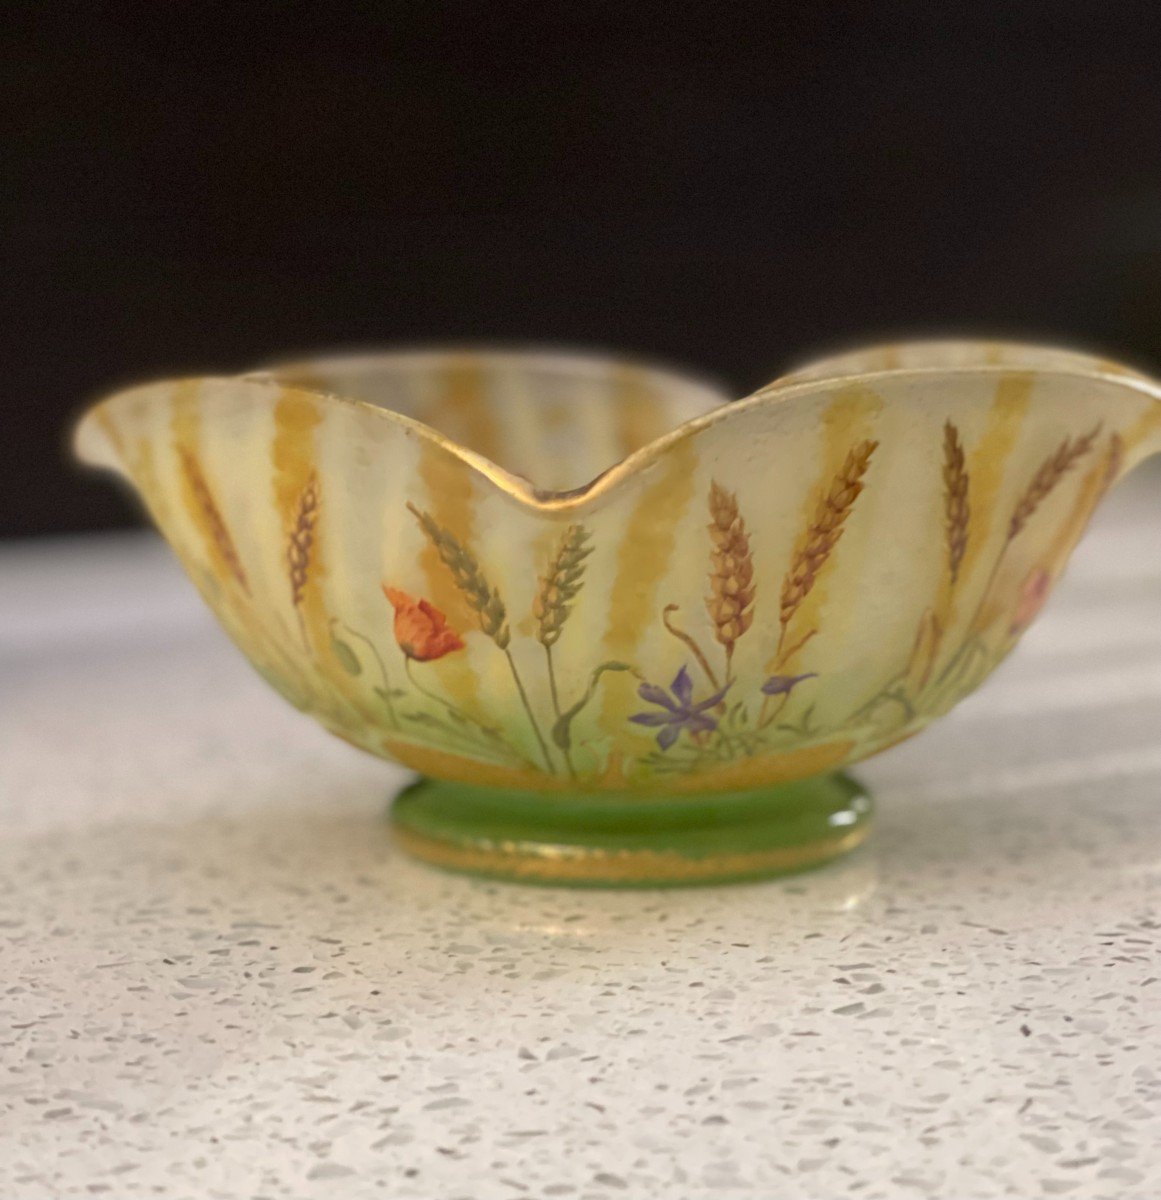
(505, 451)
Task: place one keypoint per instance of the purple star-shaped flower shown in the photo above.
(677, 709)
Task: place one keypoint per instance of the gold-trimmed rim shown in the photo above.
(525, 493)
(543, 862)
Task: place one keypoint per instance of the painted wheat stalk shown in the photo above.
(825, 530)
(215, 523)
(957, 511)
(469, 578)
(1051, 472)
(485, 600)
(300, 544)
(560, 584)
(731, 599)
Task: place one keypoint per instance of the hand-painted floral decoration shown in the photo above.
(421, 629)
(1034, 592)
(819, 570)
(678, 712)
(783, 685)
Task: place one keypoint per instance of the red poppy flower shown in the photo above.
(421, 629)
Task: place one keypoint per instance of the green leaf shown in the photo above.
(560, 731)
(348, 659)
(423, 718)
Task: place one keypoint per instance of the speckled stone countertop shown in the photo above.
(220, 979)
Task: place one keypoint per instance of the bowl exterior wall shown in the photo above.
(798, 582)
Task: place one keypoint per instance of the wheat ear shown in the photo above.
(300, 546)
(213, 517)
(825, 530)
(957, 512)
(469, 578)
(560, 584)
(731, 599)
(1051, 472)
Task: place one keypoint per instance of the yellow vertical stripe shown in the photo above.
(185, 433)
(543, 545)
(986, 461)
(113, 433)
(293, 465)
(638, 411)
(1065, 536)
(292, 458)
(646, 545)
(185, 414)
(297, 415)
(298, 418)
(449, 496)
(143, 467)
(848, 420)
(292, 462)
(460, 408)
(1146, 430)
(209, 573)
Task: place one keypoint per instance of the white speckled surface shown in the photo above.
(220, 980)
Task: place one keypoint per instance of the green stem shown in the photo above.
(451, 708)
(556, 707)
(528, 709)
(877, 698)
(900, 698)
(378, 662)
(424, 691)
(763, 720)
(729, 744)
(971, 626)
(462, 739)
(968, 661)
(951, 668)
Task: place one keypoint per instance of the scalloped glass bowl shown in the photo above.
(628, 632)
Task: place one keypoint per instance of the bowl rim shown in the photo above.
(556, 501)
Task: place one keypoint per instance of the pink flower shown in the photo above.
(1033, 594)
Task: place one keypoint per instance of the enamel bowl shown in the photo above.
(625, 631)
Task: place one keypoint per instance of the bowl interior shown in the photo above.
(557, 420)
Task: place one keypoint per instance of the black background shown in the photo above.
(203, 188)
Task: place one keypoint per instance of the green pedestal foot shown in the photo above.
(622, 840)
